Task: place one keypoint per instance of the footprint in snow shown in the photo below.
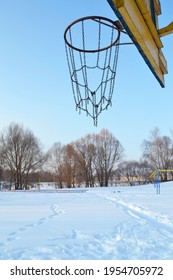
(56, 210)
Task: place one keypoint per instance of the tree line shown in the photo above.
(92, 160)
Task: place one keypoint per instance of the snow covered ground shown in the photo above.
(114, 223)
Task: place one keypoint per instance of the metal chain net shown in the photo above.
(92, 74)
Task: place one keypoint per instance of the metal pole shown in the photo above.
(158, 182)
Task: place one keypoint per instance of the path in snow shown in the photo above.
(98, 224)
(148, 234)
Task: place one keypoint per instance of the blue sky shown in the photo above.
(35, 88)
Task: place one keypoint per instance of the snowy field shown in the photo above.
(115, 223)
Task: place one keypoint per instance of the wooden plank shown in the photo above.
(148, 20)
(137, 24)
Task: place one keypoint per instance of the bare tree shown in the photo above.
(70, 166)
(21, 152)
(158, 151)
(85, 157)
(108, 153)
(132, 171)
(128, 170)
(144, 171)
(93, 156)
(56, 162)
(63, 164)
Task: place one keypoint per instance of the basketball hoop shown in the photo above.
(92, 48)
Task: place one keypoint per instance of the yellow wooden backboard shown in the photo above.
(140, 20)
